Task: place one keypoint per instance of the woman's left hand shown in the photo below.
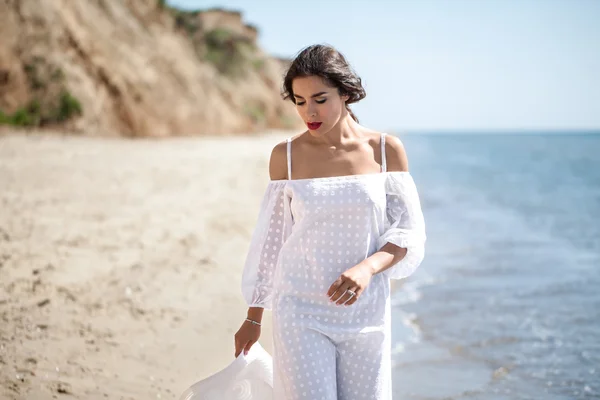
(356, 280)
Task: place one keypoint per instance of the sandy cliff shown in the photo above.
(136, 68)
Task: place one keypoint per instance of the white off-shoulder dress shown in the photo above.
(309, 231)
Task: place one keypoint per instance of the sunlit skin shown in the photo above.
(318, 102)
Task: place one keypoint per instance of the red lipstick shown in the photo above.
(313, 126)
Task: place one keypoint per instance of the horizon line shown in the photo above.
(509, 131)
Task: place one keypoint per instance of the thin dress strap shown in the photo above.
(383, 162)
(289, 158)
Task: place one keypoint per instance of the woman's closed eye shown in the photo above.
(317, 101)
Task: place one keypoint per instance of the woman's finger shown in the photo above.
(347, 296)
(334, 286)
(343, 293)
(248, 346)
(339, 292)
(238, 348)
(354, 298)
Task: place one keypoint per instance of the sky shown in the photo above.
(449, 65)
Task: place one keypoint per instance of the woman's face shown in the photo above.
(319, 105)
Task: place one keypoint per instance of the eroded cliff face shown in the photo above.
(136, 68)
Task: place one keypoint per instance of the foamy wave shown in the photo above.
(398, 348)
(410, 332)
(409, 291)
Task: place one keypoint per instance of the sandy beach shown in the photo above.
(120, 261)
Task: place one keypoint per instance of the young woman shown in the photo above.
(340, 217)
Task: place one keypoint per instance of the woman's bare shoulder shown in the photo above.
(278, 162)
(395, 153)
(278, 159)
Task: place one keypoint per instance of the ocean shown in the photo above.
(506, 304)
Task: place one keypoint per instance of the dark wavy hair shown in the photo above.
(329, 64)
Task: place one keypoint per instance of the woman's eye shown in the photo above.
(317, 101)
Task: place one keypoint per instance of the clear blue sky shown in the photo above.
(450, 64)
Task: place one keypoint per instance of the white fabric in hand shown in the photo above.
(248, 377)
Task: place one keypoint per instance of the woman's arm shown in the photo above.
(390, 254)
(400, 248)
(277, 171)
(267, 239)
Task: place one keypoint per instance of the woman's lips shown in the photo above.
(313, 125)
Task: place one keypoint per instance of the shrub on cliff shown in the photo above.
(50, 101)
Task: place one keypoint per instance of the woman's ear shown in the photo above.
(345, 98)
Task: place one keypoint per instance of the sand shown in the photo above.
(120, 261)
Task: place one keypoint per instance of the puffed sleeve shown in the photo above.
(272, 229)
(405, 225)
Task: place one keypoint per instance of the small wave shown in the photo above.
(409, 292)
(398, 348)
(408, 332)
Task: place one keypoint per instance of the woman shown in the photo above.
(340, 218)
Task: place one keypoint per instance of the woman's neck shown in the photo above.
(346, 130)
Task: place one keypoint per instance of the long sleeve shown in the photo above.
(272, 228)
(405, 225)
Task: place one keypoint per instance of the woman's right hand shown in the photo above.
(245, 337)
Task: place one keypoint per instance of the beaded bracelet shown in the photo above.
(254, 322)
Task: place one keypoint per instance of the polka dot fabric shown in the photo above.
(310, 231)
(272, 229)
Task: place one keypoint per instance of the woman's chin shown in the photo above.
(317, 132)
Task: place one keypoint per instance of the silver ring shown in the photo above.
(352, 293)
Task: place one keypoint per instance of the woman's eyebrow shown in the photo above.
(314, 95)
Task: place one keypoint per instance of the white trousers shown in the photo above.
(309, 364)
